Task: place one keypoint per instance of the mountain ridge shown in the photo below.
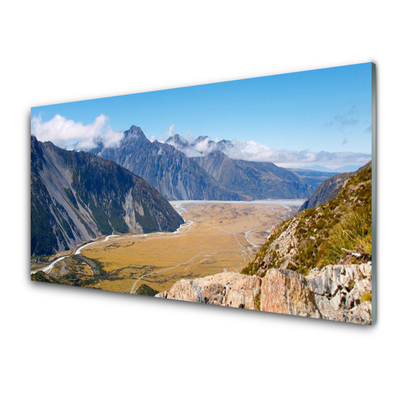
(214, 176)
(174, 175)
(258, 180)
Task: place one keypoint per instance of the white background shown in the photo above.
(61, 342)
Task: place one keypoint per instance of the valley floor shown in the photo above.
(216, 237)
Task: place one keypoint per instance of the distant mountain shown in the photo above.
(77, 196)
(313, 177)
(329, 188)
(257, 180)
(171, 172)
(335, 171)
(201, 170)
(178, 142)
(203, 145)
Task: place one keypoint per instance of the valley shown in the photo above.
(216, 237)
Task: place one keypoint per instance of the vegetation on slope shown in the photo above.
(146, 290)
(335, 232)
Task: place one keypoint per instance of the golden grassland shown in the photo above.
(221, 237)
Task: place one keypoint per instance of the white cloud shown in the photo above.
(69, 134)
(253, 151)
(204, 146)
(171, 131)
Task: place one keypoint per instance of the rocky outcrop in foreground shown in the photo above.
(226, 289)
(337, 292)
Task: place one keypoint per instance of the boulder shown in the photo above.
(286, 292)
(226, 289)
(337, 292)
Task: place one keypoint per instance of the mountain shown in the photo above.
(178, 142)
(201, 170)
(171, 172)
(337, 231)
(257, 180)
(201, 146)
(329, 188)
(313, 177)
(77, 196)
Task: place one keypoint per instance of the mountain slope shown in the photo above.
(77, 196)
(174, 175)
(329, 188)
(338, 231)
(256, 180)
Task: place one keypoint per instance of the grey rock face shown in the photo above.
(227, 289)
(337, 292)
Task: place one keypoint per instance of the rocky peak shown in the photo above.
(201, 139)
(134, 132)
(177, 140)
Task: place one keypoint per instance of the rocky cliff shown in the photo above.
(225, 289)
(77, 196)
(337, 292)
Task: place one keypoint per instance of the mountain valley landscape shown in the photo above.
(229, 222)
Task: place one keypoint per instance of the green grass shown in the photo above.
(327, 234)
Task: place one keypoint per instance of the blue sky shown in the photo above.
(320, 110)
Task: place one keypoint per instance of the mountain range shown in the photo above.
(201, 146)
(77, 196)
(179, 170)
(171, 172)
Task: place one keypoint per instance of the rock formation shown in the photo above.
(337, 292)
(226, 289)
